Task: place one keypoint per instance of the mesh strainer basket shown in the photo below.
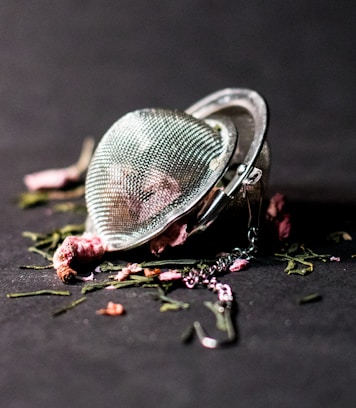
(155, 166)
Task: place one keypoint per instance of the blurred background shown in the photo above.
(70, 68)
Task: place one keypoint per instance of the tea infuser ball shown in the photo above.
(155, 167)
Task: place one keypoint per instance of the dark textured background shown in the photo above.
(69, 69)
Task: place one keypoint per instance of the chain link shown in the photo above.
(207, 275)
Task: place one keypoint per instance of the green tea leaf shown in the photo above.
(299, 259)
(314, 297)
(68, 307)
(174, 304)
(169, 307)
(39, 293)
(36, 267)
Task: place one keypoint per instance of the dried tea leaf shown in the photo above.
(39, 293)
(314, 297)
(110, 267)
(68, 307)
(173, 303)
(46, 244)
(133, 280)
(169, 307)
(298, 259)
(36, 267)
(32, 199)
(70, 207)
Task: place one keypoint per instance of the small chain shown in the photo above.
(207, 275)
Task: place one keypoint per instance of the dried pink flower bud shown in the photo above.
(284, 227)
(276, 205)
(85, 249)
(122, 275)
(238, 265)
(278, 217)
(170, 275)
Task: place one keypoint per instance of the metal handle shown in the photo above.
(252, 103)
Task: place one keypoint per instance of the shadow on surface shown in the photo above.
(312, 224)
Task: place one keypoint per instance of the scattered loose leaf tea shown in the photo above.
(46, 244)
(299, 259)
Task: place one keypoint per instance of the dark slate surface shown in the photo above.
(70, 69)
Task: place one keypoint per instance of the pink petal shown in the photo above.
(50, 179)
(175, 235)
(170, 275)
(112, 309)
(278, 217)
(238, 265)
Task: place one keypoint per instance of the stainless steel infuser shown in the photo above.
(155, 166)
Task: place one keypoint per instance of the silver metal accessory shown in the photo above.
(155, 167)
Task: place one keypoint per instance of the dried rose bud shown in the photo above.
(81, 250)
(238, 265)
(276, 205)
(278, 217)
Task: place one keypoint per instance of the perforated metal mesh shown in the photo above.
(151, 167)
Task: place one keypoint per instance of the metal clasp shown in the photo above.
(224, 323)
